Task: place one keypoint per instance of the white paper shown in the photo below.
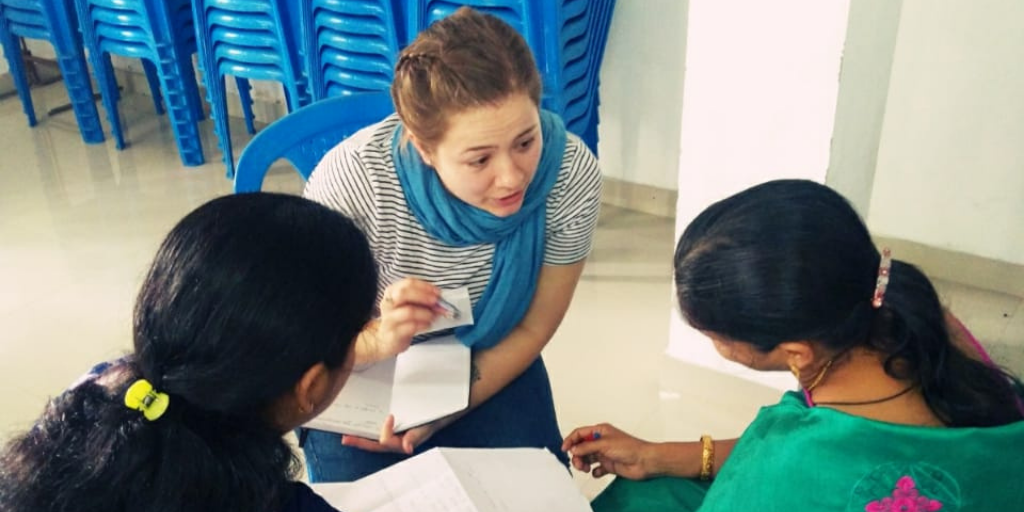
(428, 381)
(463, 480)
(458, 297)
(516, 480)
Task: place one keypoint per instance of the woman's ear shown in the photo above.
(311, 388)
(801, 357)
(298, 404)
(425, 155)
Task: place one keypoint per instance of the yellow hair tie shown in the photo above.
(142, 397)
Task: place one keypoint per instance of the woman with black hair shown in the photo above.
(243, 330)
(900, 408)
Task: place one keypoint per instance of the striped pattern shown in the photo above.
(358, 178)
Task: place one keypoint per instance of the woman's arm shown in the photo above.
(495, 367)
(605, 450)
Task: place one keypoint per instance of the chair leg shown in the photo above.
(245, 95)
(218, 106)
(296, 97)
(12, 51)
(109, 94)
(76, 78)
(289, 99)
(180, 109)
(219, 114)
(195, 98)
(154, 85)
(110, 72)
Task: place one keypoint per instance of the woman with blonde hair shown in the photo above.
(469, 184)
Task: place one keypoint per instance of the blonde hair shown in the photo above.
(469, 59)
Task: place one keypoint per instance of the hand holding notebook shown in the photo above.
(428, 381)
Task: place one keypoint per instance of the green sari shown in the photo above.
(796, 458)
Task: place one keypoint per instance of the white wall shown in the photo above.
(863, 94)
(951, 159)
(762, 82)
(642, 92)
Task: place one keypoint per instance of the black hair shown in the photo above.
(791, 260)
(246, 293)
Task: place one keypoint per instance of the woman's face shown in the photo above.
(747, 355)
(489, 154)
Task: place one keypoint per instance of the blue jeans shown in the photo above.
(520, 415)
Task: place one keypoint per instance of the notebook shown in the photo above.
(428, 381)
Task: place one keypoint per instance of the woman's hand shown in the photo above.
(406, 442)
(612, 450)
(409, 306)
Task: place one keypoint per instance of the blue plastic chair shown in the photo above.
(352, 45)
(53, 21)
(306, 135)
(252, 40)
(160, 33)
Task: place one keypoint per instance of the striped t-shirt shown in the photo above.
(358, 178)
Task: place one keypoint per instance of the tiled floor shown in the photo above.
(78, 225)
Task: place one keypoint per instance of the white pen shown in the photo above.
(453, 312)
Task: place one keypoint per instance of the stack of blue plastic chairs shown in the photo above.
(352, 45)
(567, 38)
(581, 31)
(159, 32)
(53, 21)
(249, 39)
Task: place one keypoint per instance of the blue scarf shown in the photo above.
(518, 238)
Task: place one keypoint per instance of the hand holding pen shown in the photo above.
(450, 311)
(605, 450)
(407, 307)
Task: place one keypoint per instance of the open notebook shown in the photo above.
(428, 381)
(463, 480)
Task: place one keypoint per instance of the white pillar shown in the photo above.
(759, 103)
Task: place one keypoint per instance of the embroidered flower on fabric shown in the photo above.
(906, 487)
(905, 498)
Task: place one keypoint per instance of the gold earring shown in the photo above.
(796, 371)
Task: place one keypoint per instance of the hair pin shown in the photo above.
(142, 397)
(884, 267)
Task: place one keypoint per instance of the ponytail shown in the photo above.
(88, 452)
(791, 260)
(911, 328)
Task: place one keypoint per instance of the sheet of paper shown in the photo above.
(495, 480)
(424, 483)
(463, 480)
(458, 297)
(431, 381)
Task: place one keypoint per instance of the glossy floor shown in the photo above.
(79, 224)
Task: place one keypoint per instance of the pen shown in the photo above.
(593, 436)
(453, 312)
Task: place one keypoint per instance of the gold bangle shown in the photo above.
(707, 457)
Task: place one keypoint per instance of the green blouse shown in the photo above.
(793, 457)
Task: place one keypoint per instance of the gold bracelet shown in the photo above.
(707, 457)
